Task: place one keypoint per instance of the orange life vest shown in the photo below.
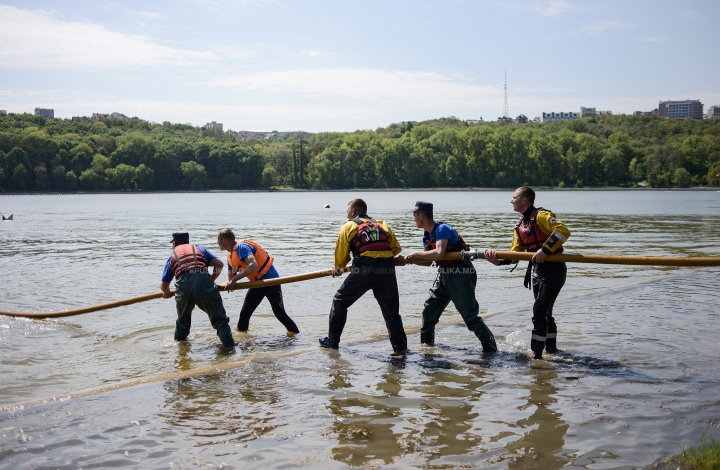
(186, 257)
(532, 237)
(263, 259)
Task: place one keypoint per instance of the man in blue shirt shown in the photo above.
(248, 259)
(195, 286)
(455, 282)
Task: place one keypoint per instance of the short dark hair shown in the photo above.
(527, 192)
(428, 215)
(226, 234)
(359, 205)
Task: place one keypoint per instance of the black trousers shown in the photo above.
(378, 275)
(274, 296)
(548, 279)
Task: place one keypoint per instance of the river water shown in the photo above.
(637, 373)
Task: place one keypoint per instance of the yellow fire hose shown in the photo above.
(399, 261)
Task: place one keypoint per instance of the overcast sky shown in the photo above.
(342, 65)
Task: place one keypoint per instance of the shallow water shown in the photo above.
(637, 374)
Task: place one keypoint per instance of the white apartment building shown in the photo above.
(587, 111)
(681, 109)
(713, 112)
(561, 116)
(214, 125)
(45, 112)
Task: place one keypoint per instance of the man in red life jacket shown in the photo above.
(188, 264)
(373, 246)
(541, 232)
(455, 282)
(248, 259)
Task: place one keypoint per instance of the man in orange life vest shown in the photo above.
(248, 259)
(188, 264)
(455, 282)
(539, 231)
(373, 246)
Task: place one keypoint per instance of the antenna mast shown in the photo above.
(506, 113)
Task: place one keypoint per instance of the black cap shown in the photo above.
(423, 206)
(181, 238)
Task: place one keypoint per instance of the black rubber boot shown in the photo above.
(427, 338)
(329, 343)
(551, 344)
(490, 346)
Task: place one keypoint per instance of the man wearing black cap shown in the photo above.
(373, 246)
(188, 264)
(455, 282)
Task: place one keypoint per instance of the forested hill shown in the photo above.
(38, 154)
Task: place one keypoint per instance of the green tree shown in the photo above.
(82, 156)
(682, 177)
(19, 177)
(144, 176)
(70, 181)
(121, 177)
(269, 177)
(91, 180)
(41, 176)
(195, 174)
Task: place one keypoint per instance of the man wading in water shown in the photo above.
(456, 280)
(248, 259)
(188, 264)
(538, 230)
(373, 246)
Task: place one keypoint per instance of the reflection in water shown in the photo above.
(363, 424)
(542, 443)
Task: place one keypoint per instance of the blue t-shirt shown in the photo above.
(243, 249)
(444, 232)
(168, 274)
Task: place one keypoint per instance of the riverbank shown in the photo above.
(372, 190)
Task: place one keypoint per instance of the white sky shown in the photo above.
(342, 65)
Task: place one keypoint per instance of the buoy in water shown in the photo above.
(327, 206)
(10, 216)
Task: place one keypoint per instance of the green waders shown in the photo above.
(456, 283)
(196, 287)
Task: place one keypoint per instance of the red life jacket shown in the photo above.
(370, 237)
(530, 236)
(430, 242)
(262, 258)
(186, 257)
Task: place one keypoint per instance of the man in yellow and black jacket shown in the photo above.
(539, 231)
(373, 246)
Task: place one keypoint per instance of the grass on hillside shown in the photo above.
(706, 456)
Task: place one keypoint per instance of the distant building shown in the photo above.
(681, 109)
(587, 111)
(654, 112)
(76, 118)
(713, 112)
(117, 116)
(522, 119)
(45, 112)
(100, 116)
(554, 117)
(214, 125)
(605, 113)
(3, 112)
(505, 119)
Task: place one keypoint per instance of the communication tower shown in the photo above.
(506, 113)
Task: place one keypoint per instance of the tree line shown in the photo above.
(39, 154)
